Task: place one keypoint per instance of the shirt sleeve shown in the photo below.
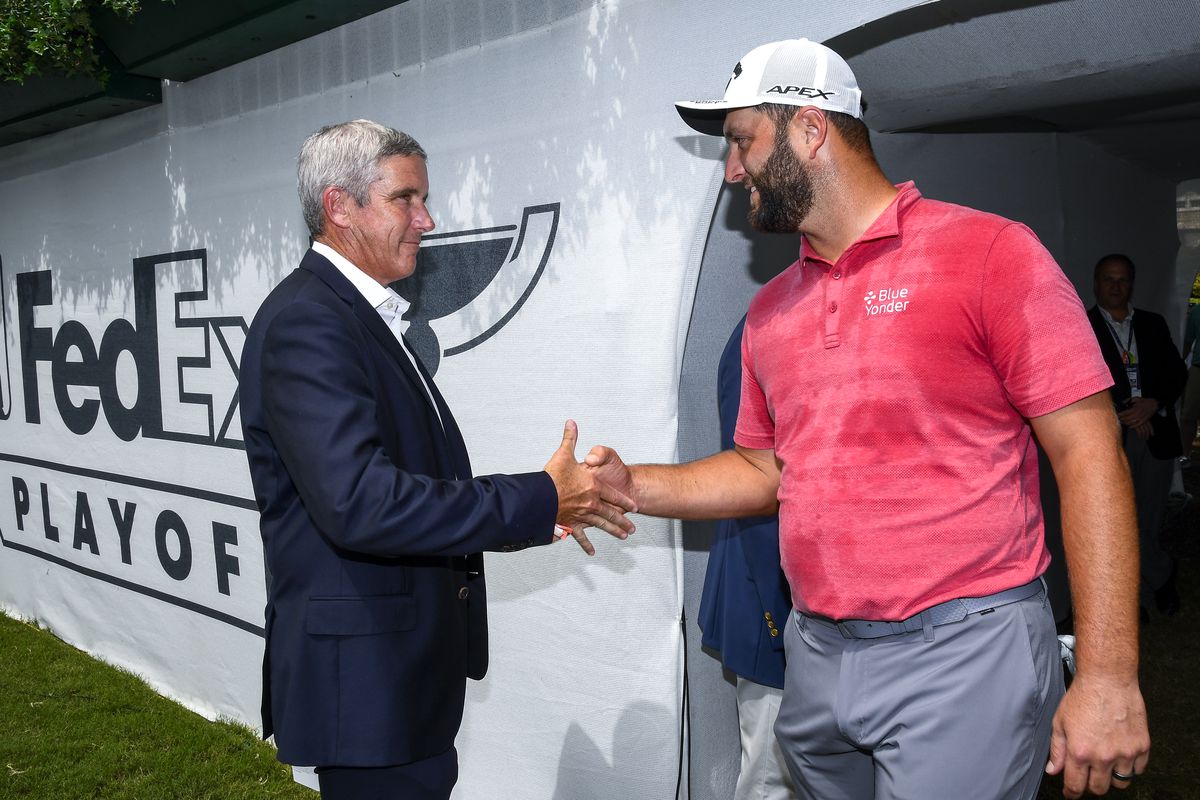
(1037, 332)
(755, 425)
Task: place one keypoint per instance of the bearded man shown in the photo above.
(893, 380)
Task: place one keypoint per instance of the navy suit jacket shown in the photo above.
(746, 601)
(372, 531)
(1161, 372)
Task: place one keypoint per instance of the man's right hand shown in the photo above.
(607, 466)
(585, 499)
(727, 485)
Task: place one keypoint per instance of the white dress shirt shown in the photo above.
(390, 306)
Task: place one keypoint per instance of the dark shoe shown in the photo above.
(1166, 597)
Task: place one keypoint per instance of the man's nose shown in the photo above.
(734, 171)
(423, 221)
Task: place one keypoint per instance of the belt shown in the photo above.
(942, 614)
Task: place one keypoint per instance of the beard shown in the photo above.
(784, 188)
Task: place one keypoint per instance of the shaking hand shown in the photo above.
(584, 498)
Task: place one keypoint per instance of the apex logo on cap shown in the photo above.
(803, 91)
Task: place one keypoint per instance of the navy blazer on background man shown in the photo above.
(373, 530)
(746, 599)
(1161, 372)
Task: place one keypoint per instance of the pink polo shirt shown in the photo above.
(895, 386)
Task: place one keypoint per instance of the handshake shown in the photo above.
(597, 492)
(600, 490)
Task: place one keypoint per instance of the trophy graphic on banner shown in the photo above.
(469, 284)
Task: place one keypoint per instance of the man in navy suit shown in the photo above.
(1148, 377)
(372, 523)
(744, 603)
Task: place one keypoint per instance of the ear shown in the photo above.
(808, 131)
(335, 203)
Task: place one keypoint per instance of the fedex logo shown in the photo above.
(185, 361)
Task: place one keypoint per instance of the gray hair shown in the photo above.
(346, 155)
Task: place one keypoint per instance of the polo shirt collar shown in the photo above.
(885, 226)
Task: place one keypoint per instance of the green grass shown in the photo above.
(72, 727)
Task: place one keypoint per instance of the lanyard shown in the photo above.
(1127, 347)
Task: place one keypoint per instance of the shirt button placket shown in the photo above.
(833, 296)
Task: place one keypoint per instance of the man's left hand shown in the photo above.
(1099, 729)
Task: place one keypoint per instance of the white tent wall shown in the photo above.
(521, 105)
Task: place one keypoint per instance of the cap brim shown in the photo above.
(707, 118)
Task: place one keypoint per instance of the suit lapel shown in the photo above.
(448, 437)
(454, 437)
(1143, 332)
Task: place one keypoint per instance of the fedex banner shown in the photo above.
(572, 209)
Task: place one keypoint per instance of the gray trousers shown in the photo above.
(965, 715)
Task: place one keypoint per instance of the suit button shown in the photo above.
(774, 632)
(767, 616)
(463, 592)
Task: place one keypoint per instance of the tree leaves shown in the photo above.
(40, 37)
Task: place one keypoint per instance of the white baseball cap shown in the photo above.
(794, 72)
